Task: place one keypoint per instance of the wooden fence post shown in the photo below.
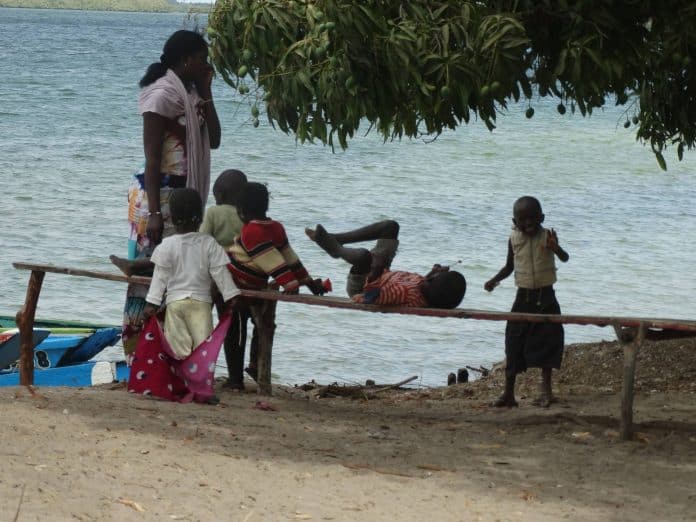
(630, 350)
(25, 322)
(265, 320)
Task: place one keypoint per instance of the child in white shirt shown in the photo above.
(185, 266)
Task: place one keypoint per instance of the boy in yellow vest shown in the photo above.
(532, 250)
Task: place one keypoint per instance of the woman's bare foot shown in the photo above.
(124, 265)
(326, 241)
(505, 401)
(544, 400)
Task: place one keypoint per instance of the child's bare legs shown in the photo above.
(507, 399)
(234, 346)
(329, 243)
(387, 229)
(545, 398)
(133, 266)
(333, 244)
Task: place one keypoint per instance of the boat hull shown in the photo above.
(90, 373)
(63, 353)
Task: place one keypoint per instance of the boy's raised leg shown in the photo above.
(328, 242)
(387, 229)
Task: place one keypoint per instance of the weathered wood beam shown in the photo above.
(52, 269)
(265, 317)
(630, 350)
(462, 313)
(25, 322)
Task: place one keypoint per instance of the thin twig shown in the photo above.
(19, 506)
(397, 385)
(384, 471)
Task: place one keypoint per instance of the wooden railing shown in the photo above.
(644, 327)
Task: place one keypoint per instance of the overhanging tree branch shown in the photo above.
(423, 66)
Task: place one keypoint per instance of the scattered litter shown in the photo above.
(131, 504)
(264, 406)
(642, 437)
(528, 496)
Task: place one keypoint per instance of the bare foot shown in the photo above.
(234, 385)
(123, 265)
(326, 241)
(544, 400)
(505, 401)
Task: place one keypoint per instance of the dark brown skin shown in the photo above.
(527, 218)
(314, 285)
(194, 70)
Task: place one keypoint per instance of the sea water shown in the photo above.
(70, 139)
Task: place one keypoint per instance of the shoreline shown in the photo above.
(184, 9)
(435, 454)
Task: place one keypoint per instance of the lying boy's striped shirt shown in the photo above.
(262, 250)
(394, 288)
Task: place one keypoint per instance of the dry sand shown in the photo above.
(435, 454)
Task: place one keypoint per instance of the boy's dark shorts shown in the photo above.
(384, 248)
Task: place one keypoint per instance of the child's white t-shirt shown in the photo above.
(186, 265)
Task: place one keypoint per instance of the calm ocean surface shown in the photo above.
(70, 138)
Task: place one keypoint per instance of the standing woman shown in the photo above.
(180, 126)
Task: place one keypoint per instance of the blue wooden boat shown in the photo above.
(63, 354)
(8, 321)
(88, 373)
(10, 344)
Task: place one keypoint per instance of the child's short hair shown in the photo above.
(186, 206)
(529, 202)
(446, 290)
(228, 185)
(253, 201)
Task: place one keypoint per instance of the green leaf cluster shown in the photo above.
(419, 67)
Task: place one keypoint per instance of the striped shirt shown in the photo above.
(262, 250)
(394, 288)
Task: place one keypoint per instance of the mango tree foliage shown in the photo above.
(421, 66)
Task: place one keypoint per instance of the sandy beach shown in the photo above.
(432, 454)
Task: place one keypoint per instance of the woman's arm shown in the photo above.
(203, 86)
(153, 139)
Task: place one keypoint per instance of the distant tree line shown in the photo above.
(108, 5)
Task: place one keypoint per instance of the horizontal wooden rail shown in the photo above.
(462, 313)
(265, 318)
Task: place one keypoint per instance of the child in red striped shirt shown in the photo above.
(261, 251)
(370, 279)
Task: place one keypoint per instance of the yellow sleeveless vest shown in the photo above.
(535, 265)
